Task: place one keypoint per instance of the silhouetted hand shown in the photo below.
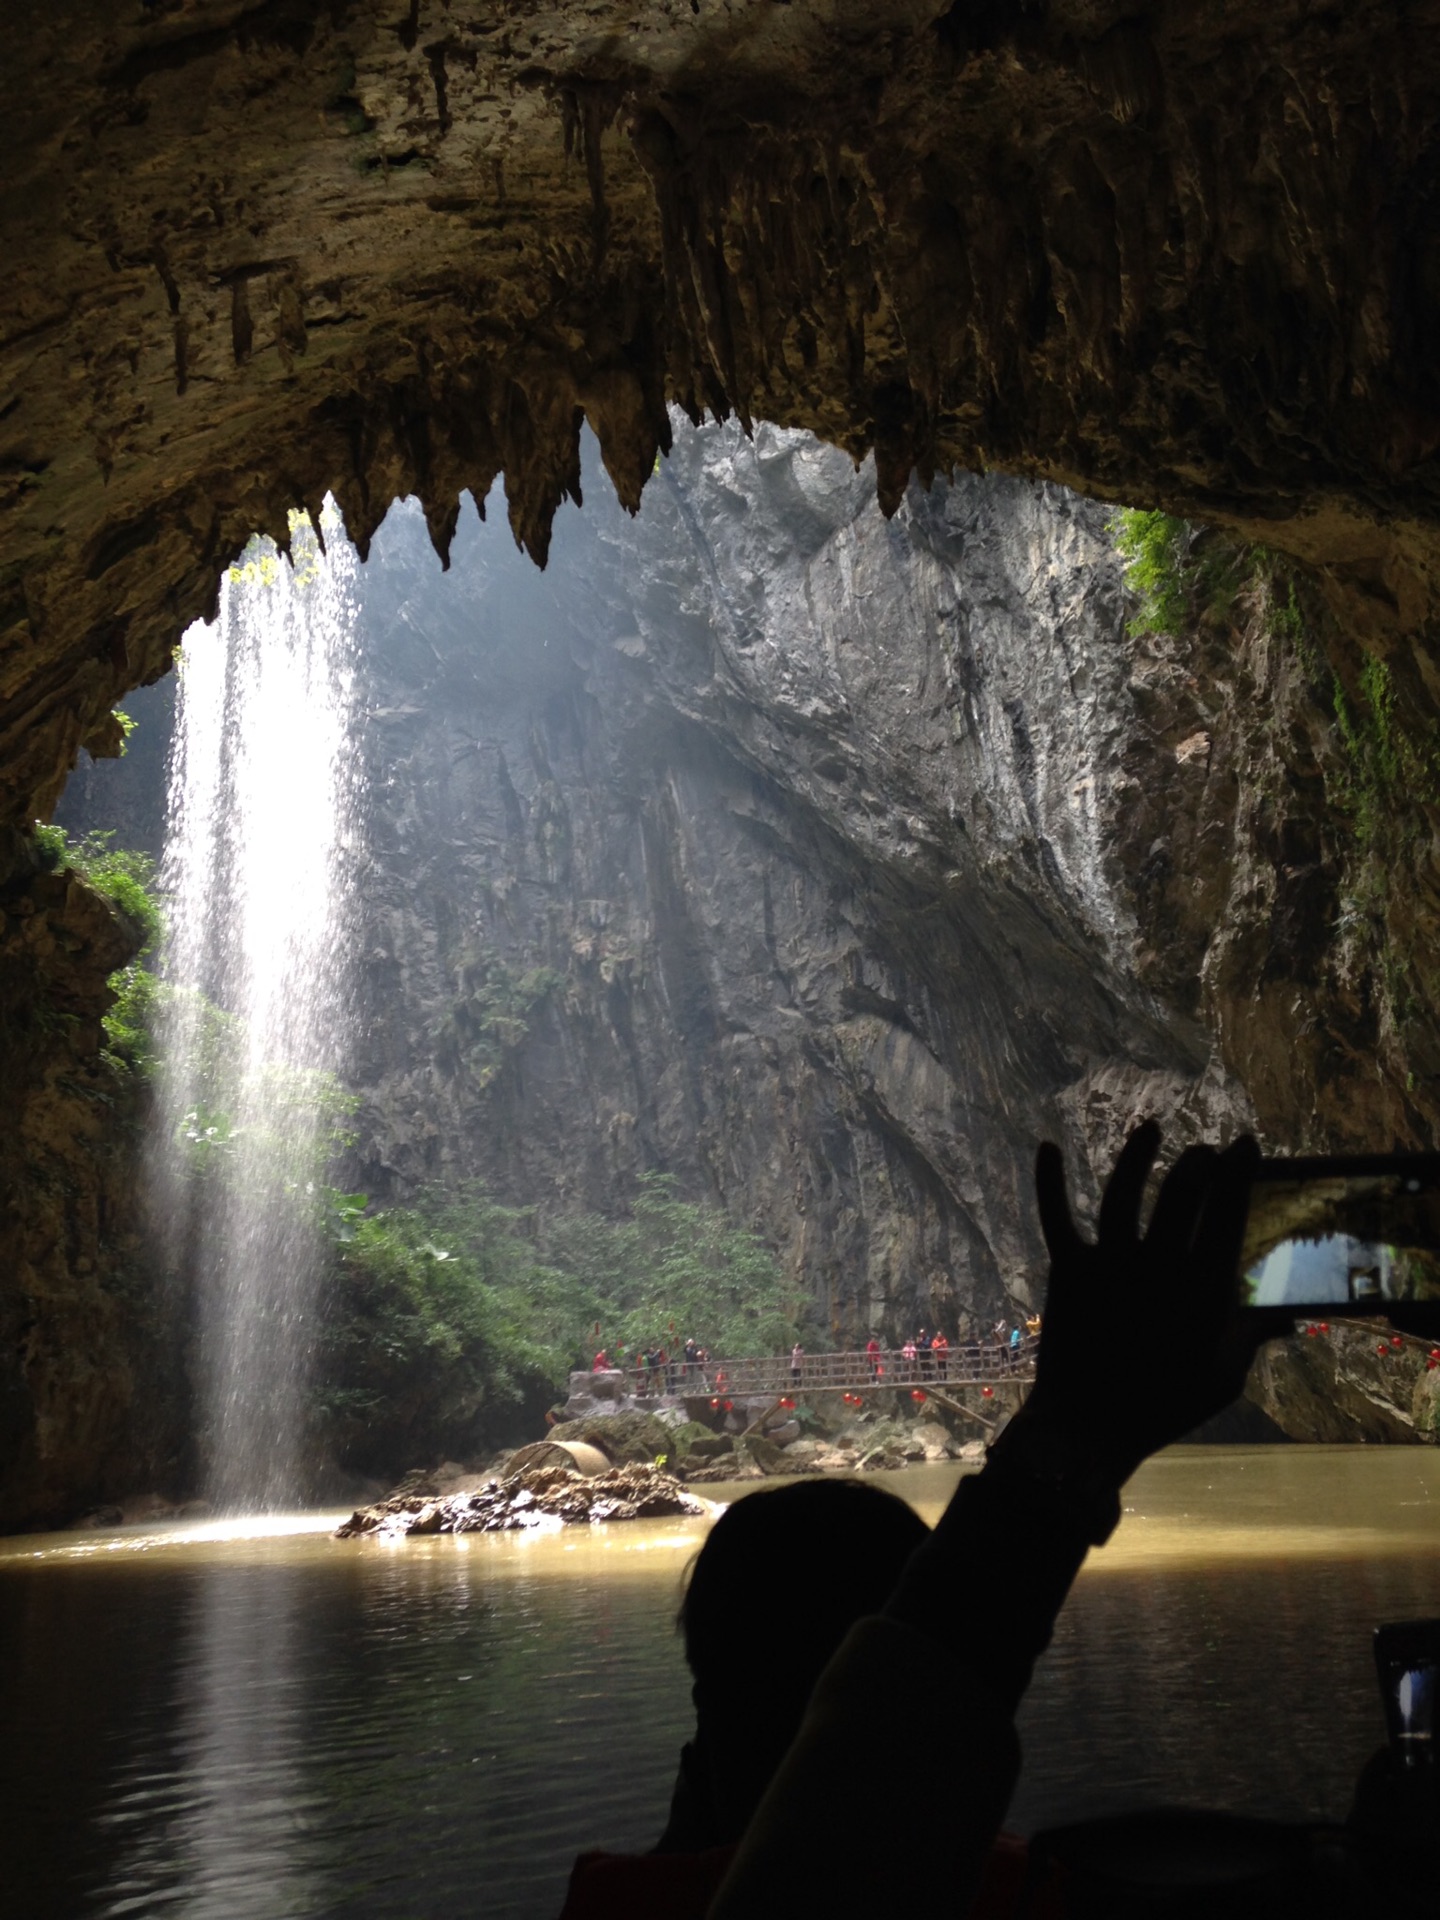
(1144, 1335)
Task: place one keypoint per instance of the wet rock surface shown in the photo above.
(91, 1353)
(1353, 1380)
(542, 1497)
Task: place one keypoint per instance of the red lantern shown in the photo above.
(1382, 1349)
(987, 1393)
(1324, 1326)
(729, 1406)
(714, 1405)
(1396, 1341)
(1312, 1331)
(1431, 1364)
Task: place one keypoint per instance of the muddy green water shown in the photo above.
(205, 1722)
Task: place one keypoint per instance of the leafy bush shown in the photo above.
(1184, 573)
(1155, 549)
(436, 1341)
(490, 1013)
(448, 1329)
(127, 880)
(1389, 765)
(676, 1270)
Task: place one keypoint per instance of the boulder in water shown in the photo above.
(538, 1497)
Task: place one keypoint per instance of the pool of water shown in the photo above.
(262, 1722)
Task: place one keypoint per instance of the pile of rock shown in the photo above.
(871, 1446)
(541, 1497)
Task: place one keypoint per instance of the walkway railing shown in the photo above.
(962, 1365)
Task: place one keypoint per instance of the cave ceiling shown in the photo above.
(1168, 254)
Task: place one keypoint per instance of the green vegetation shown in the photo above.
(127, 880)
(1155, 549)
(451, 1324)
(259, 563)
(490, 1014)
(1386, 769)
(442, 1331)
(675, 1262)
(1181, 572)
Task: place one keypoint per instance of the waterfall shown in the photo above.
(263, 793)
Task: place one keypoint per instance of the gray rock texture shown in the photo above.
(826, 862)
(775, 845)
(1353, 1380)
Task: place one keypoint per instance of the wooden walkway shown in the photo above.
(855, 1373)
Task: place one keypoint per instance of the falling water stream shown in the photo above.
(262, 806)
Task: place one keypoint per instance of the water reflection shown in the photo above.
(290, 1725)
(219, 1818)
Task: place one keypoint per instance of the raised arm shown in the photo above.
(835, 1833)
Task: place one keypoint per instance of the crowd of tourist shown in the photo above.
(658, 1370)
(925, 1355)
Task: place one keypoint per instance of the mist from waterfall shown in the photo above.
(259, 844)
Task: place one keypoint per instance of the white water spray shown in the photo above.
(259, 836)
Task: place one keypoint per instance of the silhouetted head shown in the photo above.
(782, 1578)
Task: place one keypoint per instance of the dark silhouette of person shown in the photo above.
(977, 1601)
(782, 1577)
(971, 1604)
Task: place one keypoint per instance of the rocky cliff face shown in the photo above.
(1173, 254)
(779, 846)
(90, 1347)
(803, 824)
(828, 862)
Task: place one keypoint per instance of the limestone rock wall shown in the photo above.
(92, 1403)
(830, 862)
(1174, 254)
(776, 845)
